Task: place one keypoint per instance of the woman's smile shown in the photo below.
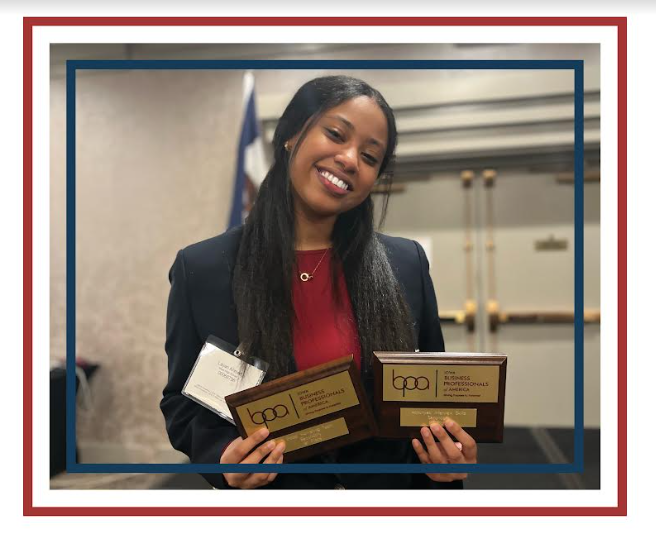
(333, 183)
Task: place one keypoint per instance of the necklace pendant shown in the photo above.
(305, 277)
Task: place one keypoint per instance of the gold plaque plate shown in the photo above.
(465, 417)
(299, 404)
(440, 383)
(314, 434)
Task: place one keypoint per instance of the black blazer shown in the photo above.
(201, 303)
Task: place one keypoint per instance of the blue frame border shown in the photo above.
(72, 66)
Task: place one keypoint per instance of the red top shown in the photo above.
(322, 329)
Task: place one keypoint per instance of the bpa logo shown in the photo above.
(409, 383)
(267, 415)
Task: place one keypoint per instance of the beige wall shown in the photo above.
(155, 153)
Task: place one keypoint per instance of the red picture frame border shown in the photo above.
(29, 23)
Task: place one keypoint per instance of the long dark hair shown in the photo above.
(266, 262)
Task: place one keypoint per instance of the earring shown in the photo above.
(287, 147)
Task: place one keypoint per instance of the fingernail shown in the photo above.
(271, 444)
(263, 433)
(425, 432)
(448, 423)
(435, 427)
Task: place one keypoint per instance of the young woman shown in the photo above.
(307, 280)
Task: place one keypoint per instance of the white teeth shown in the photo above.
(333, 179)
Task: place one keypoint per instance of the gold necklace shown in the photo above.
(305, 277)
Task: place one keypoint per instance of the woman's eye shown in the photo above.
(370, 159)
(334, 134)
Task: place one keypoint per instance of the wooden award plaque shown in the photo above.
(314, 411)
(414, 389)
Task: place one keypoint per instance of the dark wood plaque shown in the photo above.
(314, 411)
(413, 389)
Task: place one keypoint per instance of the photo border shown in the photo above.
(73, 66)
(29, 23)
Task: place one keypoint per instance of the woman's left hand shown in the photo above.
(445, 451)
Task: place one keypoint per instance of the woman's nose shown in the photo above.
(348, 158)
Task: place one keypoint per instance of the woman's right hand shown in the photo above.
(238, 453)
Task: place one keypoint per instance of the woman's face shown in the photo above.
(337, 163)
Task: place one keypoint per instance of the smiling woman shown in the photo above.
(307, 279)
(340, 159)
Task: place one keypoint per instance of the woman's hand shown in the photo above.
(445, 451)
(238, 453)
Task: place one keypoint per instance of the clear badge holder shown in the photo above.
(221, 370)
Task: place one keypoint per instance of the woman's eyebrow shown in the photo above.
(350, 126)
